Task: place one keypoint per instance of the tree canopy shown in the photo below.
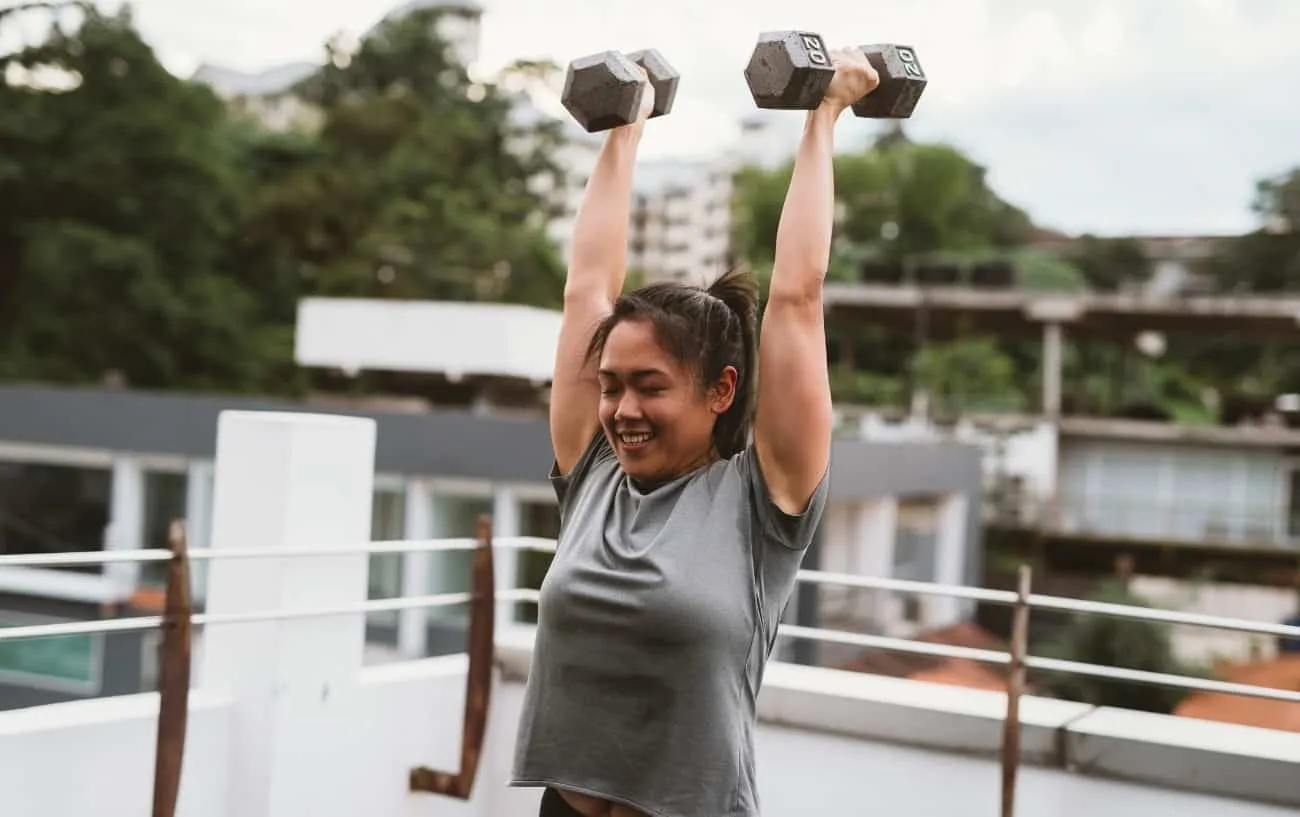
(149, 232)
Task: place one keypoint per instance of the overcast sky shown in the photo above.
(1111, 116)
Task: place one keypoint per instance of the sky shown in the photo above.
(1108, 116)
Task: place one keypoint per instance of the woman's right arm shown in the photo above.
(597, 266)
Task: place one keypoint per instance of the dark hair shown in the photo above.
(708, 329)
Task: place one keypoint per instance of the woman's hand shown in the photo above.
(854, 78)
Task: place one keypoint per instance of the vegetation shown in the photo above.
(151, 232)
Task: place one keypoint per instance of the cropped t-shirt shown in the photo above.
(655, 622)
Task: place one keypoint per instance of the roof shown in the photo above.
(1280, 673)
(935, 669)
(428, 442)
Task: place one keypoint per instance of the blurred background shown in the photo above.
(1080, 260)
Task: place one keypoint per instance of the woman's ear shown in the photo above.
(723, 392)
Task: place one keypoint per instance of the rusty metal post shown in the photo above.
(173, 677)
(1015, 688)
(478, 681)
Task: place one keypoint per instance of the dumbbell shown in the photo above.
(790, 70)
(604, 90)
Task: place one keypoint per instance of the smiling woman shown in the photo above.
(691, 472)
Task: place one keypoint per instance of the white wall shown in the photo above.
(458, 339)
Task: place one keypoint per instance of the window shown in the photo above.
(387, 523)
(540, 519)
(164, 502)
(454, 517)
(53, 509)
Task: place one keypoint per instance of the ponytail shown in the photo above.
(738, 289)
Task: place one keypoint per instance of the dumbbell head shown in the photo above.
(662, 76)
(789, 70)
(901, 83)
(604, 90)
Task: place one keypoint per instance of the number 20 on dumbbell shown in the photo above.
(791, 70)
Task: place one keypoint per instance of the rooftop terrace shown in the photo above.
(284, 715)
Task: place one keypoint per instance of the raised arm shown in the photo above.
(792, 423)
(597, 267)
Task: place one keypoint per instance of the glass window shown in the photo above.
(164, 502)
(387, 523)
(53, 509)
(540, 519)
(454, 517)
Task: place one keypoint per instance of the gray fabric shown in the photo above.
(655, 623)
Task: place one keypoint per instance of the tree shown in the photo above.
(897, 199)
(1109, 263)
(425, 188)
(149, 232)
(1115, 642)
(115, 203)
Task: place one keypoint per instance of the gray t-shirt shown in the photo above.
(655, 622)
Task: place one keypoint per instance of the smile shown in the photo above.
(637, 438)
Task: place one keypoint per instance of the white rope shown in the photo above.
(68, 559)
(119, 625)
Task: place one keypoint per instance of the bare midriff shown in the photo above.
(589, 806)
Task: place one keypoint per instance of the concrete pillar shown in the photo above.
(412, 624)
(285, 479)
(876, 532)
(126, 524)
(198, 521)
(1052, 369)
(506, 523)
(950, 546)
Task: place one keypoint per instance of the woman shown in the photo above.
(680, 538)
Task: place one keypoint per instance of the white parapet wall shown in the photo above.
(451, 338)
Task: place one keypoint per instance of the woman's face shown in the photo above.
(655, 415)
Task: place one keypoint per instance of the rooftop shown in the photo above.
(280, 673)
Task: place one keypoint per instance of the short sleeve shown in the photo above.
(779, 541)
(791, 531)
(566, 486)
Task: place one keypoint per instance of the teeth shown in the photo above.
(633, 439)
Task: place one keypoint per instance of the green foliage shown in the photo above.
(931, 195)
(147, 230)
(1108, 263)
(1115, 642)
(970, 375)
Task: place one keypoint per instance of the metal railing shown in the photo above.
(179, 617)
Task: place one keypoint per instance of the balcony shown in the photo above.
(284, 716)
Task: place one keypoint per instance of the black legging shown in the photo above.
(553, 805)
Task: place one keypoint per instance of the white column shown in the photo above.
(950, 560)
(412, 624)
(1052, 369)
(285, 479)
(198, 521)
(877, 524)
(126, 524)
(505, 564)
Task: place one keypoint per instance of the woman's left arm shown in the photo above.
(792, 424)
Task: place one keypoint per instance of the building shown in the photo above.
(100, 469)
(270, 691)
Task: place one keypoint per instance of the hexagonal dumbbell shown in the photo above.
(791, 70)
(604, 90)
